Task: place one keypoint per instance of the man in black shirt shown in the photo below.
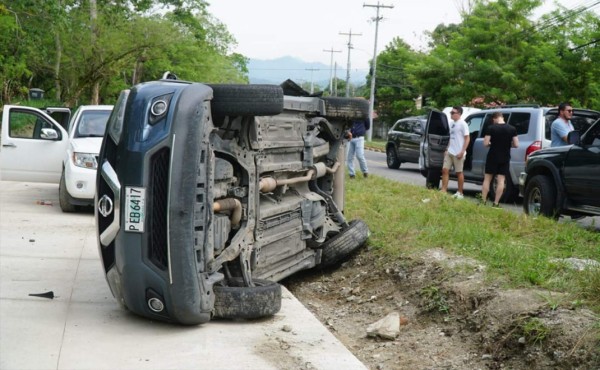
(500, 138)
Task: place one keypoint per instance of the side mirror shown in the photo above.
(418, 130)
(574, 137)
(49, 134)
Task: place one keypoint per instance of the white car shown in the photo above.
(37, 148)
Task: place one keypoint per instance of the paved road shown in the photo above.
(409, 173)
(43, 249)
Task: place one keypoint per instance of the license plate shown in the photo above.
(135, 203)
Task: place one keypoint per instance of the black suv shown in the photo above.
(403, 141)
(209, 194)
(564, 180)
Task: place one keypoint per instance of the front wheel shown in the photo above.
(63, 195)
(540, 197)
(392, 158)
(236, 301)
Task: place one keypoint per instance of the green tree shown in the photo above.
(395, 83)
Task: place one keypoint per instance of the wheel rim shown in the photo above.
(534, 203)
(391, 157)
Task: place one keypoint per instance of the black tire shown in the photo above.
(511, 192)
(63, 196)
(540, 197)
(433, 178)
(391, 158)
(237, 301)
(345, 243)
(346, 108)
(247, 100)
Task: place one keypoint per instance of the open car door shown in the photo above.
(434, 144)
(33, 145)
(61, 115)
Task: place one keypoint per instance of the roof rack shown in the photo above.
(520, 106)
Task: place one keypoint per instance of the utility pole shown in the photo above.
(335, 77)
(374, 66)
(312, 88)
(331, 51)
(348, 66)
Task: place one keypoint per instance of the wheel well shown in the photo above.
(552, 173)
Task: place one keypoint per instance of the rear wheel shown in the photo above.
(432, 180)
(392, 158)
(540, 197)
(246, 100)
(344, 243)
(236, 301)
(346, 108)
(511, 192)
(63, 196)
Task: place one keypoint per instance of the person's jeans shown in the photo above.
(356, 146)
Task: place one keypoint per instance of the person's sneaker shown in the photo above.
(351, 176)
(482, 203)
(365, 175)
(458, 195)
(496, 206)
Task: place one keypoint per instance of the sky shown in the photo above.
(268, 29)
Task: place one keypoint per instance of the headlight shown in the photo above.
(115, 121)
(85, 160)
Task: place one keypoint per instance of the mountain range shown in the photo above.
(275, 71)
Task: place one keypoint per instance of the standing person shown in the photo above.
(357, 147)
(562, 125)
(457, 151)
(500, 137)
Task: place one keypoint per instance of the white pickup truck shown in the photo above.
(37, 148)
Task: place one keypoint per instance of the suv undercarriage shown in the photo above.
(207, 195)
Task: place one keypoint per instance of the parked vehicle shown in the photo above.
(37, 148)
(403, 141)
(209, 194)
(533, 129)
(77, 185)
(564, 180)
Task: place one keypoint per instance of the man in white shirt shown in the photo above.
(456, 152)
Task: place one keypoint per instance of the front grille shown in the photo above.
(159, 194)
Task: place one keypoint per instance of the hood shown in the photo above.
(86, 145)
(551, 151)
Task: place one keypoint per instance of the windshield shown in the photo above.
(92, 123)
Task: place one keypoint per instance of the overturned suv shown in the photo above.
(210, 194)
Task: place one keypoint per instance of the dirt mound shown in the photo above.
(450, 317)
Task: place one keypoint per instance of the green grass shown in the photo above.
(376, 144)
(406, 219)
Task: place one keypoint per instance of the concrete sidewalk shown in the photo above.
(43, 249)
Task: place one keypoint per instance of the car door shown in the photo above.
(435, 140)
(582, 167)
(414, 140)
(60, 114)
(33, 145)
(476, 152)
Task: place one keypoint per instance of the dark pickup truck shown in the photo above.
(564, 180)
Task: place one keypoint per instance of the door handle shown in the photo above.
(9, 145)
